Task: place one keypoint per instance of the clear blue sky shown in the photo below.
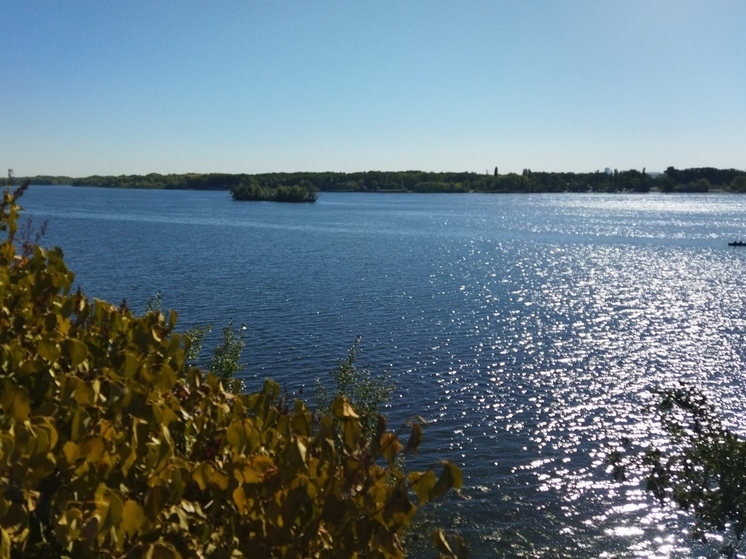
(140, 86)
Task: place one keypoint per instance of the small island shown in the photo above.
(250, 190)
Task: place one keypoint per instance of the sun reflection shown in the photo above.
(568, 349)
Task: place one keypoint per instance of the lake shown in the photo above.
(528, 329)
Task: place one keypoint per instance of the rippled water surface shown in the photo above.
(528, 328)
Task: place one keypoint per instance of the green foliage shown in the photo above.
(196, 338)
(366, 393)
(700, 468)
(225, 362)
(436, 186)
(112, 445)
(715, 177)
(304, 186)
(188, 181)
(49, 180)
(226, 358)
(154, 303)
(700, 185)
(738, 184)
(251, 191)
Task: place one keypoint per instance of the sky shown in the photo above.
(243, 86)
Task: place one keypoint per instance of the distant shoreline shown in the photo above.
(694, 180)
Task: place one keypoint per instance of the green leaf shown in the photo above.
(74, 351)
(48, 350)
(129, 366)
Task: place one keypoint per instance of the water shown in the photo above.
(529, 329)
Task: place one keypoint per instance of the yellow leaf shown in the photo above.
(162, 551)
(71, 452)
(4, 544)
(84, 394)
(48, 426)
(342, 409)
(205, 473)
(133, 516)
(263, 464)
(154, 500)
(390, 448)
(246, 474)
(441, 544)
(200, 475)
(255, 471)
(235, 436)
(220, 479)
(92, 449)
(79, 424)
(163, 414)
(271, 389)
(47, 350)
(31, 367)
(129, 461)
(239, 497)
(129, 366)
(112, 511)
(301, 450)
(15, 401)
(301, 424)
(423, 485)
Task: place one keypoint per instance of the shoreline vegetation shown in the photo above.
(305, 186)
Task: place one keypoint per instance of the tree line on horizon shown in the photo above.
(701, 179)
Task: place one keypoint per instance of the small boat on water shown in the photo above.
(737, 244)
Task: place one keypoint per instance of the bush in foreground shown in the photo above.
(111, 445)
(700, 466)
